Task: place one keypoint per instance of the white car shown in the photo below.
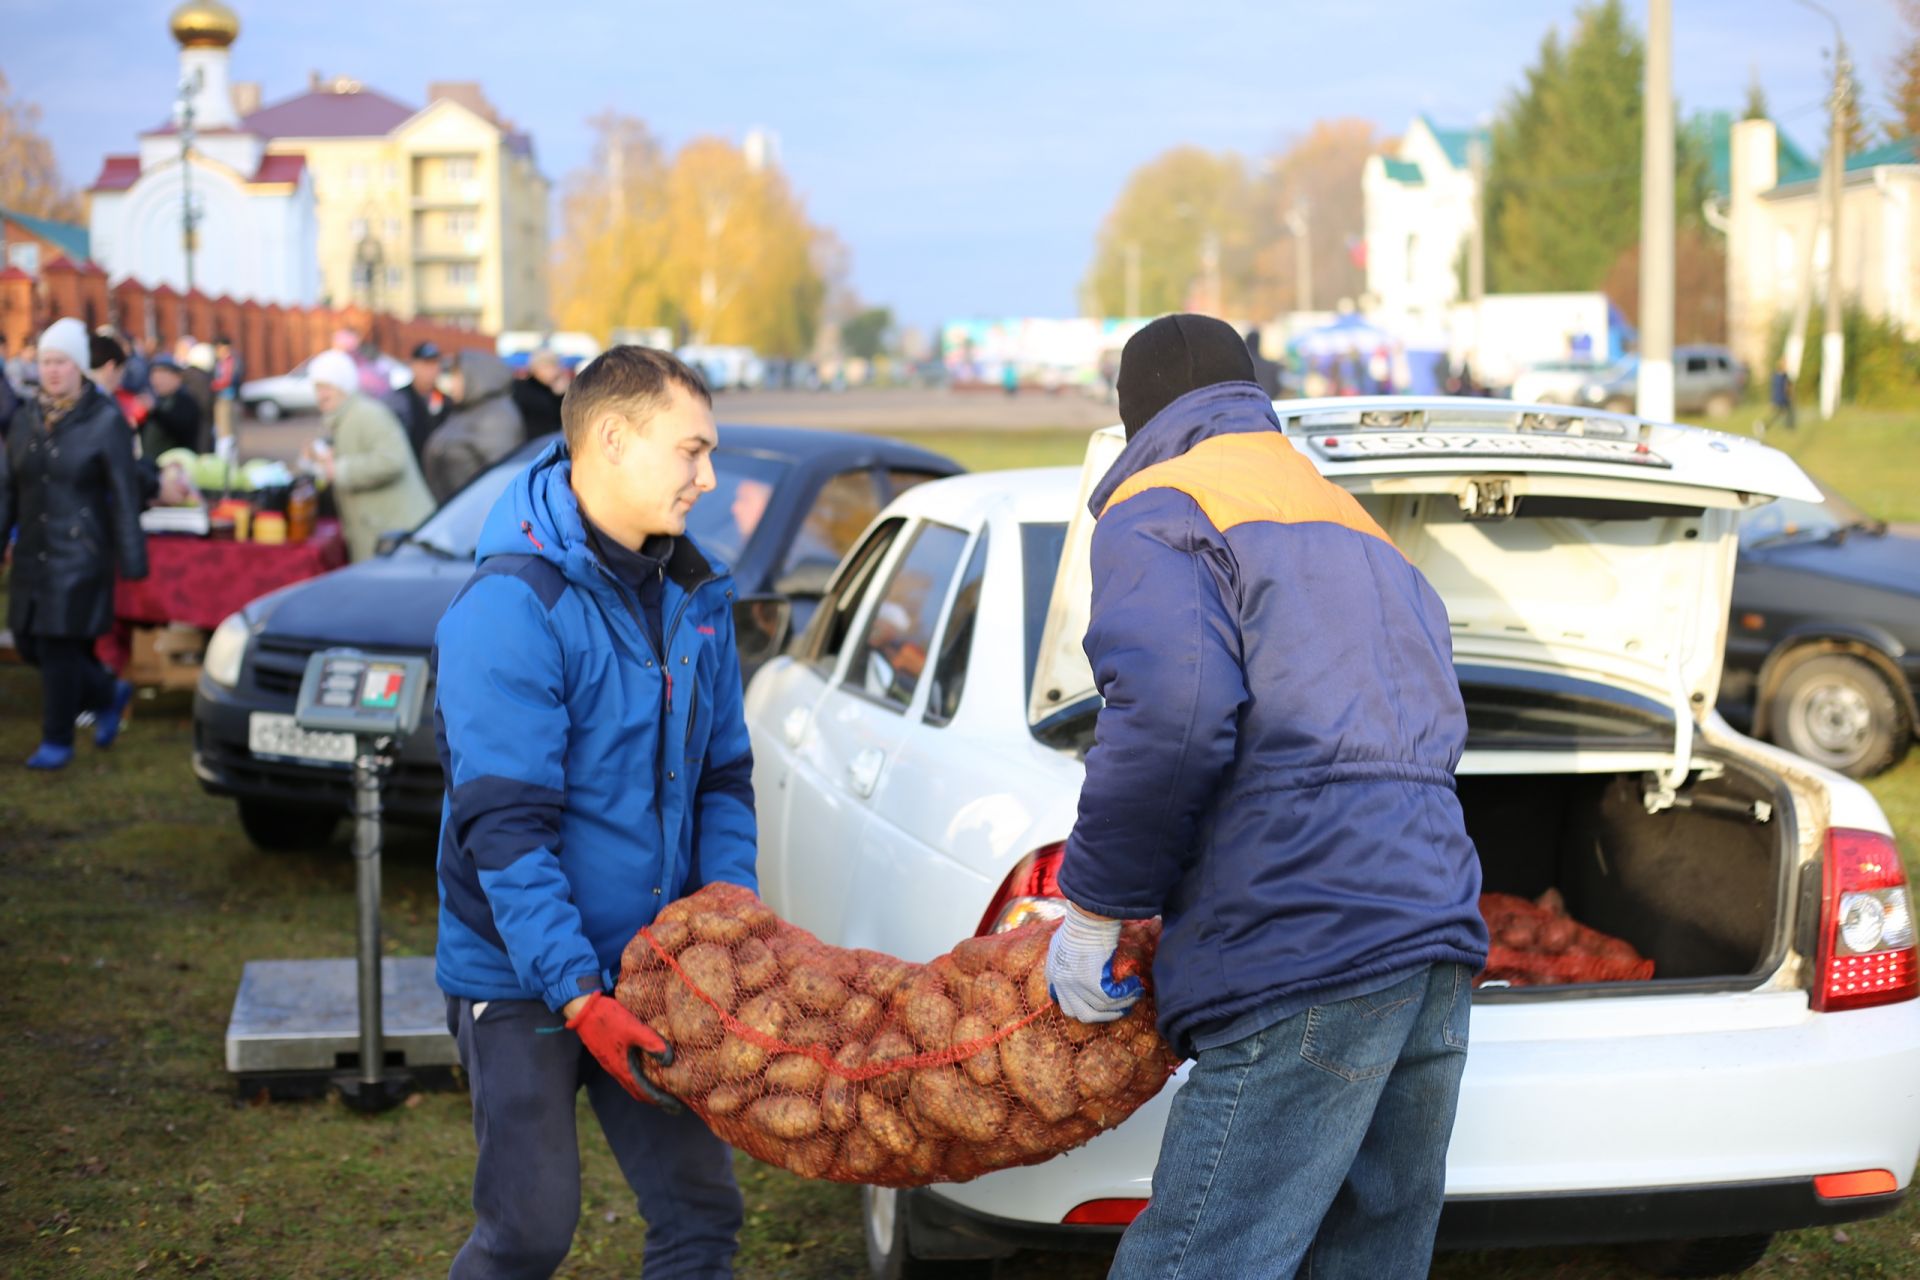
(1556, 381)
(270, 399)
(918, 756)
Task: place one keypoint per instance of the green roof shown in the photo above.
(1403, 171)
(1899, 152)
(1715, 132)
(70, 238)
(1455, 142)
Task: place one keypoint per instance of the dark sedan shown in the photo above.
(1823, 648)
(787, 504)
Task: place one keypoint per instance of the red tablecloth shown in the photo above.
(199, 581)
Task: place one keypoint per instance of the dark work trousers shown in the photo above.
(524, 1069)
(71, 681)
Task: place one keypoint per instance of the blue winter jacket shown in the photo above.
(589, 781)
(1273, 767)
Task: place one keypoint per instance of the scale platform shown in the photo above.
(296, 1025)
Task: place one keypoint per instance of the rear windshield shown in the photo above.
(1515, 710)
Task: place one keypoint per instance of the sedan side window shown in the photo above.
(892, 656)
(956, 642)
(846, 504)
(834, 619)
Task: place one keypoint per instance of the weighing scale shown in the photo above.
(369, 1027)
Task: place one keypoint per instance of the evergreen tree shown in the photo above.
(1563, 187)
(1904, 75)
(1756, 99)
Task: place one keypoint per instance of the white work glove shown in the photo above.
(1080, 969)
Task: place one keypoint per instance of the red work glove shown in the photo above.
(616, 1039)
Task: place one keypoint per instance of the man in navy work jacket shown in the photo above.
(597, 768)
(1273, 775)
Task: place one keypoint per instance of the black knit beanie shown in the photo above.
(1175, 355)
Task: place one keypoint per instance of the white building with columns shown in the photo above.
(256, 232)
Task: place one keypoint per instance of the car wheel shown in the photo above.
(1839, 711)
(1719, 405)
(1718, 1256)
(266, 410)
(884, 1213)
(287, 828)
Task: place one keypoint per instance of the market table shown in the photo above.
(191, 585)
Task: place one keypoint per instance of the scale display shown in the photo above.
(368, 694)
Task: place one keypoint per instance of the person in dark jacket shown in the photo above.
(1273, 775)
(589, 718)
(538, 394)
(68, 481)
(1780, 395)
(175, 420)
(419, 405)
(483, 428)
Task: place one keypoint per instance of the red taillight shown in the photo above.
(1866, 954)
(1105, 1213)
(1844, 1186)
(1033, 880)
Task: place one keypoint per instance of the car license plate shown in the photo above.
(1368, 445)
(279, 737)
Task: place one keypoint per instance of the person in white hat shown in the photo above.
(376, 482)
(69, 482)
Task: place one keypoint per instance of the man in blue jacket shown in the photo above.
(1272, 775)
(597, 767)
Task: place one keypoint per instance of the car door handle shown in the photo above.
(794, 727)
(864, 771)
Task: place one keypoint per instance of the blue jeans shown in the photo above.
(524, 1069)
(1317, 1147)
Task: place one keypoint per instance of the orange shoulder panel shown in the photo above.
(1253, 476)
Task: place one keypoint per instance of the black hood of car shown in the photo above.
(390, 603)
(1889, 561)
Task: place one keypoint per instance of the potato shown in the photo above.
(839, 1098)
(710, 969)
(671, 933)
(1023, 948)
(1071, 1132)
(929, 1018)
(812, 1158)
(737, 1059)
(756, 915)
(1556, 935)
(860, 1154)
(983, 1066)
(976, 956)
(947, 1101)
(923, 1162)
(1078, 1032)
(886, 1125)
(726, 1099)
(1039, 1070)
(815, 989)
(808, 1031)
(1029, 1136)
(754, 965)
(784, 1116)
(795, 1073)
(882, 979)
(691, 1023)
(1034, 987)
(861, 1015)
(766, 1013)
(718, 927)
(1102, 1068)
(995, 998)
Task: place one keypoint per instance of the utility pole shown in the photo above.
(1133, 278)
(1656, 220)
(1477, 246)
(1833, 353)
(189, 90)
(1210, 266)
(1300, 226)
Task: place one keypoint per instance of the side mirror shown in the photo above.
(808, 578)
(389, 542)
(760, 625)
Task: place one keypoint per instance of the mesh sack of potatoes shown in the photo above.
(854, 1066)
(1537, 944)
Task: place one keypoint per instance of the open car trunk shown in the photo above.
(1698, 888)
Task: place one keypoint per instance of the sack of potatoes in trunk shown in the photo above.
(854, 1066)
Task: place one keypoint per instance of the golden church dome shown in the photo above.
(204, 23)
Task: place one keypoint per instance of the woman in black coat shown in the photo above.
(68, 481)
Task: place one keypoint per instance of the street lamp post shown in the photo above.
(1655, 382)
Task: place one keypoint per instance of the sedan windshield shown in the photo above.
(1791, 520)
(723, 521)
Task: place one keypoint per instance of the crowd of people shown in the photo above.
(86, 417)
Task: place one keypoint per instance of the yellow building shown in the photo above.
(439, 212)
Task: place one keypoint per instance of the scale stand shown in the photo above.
(369, 1028)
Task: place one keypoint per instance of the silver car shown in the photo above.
(1706, 380)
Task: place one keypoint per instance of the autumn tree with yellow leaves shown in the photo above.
(702, 242)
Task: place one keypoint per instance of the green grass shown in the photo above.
(129, 902)
(1870, 456)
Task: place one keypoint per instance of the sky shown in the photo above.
(966, 153)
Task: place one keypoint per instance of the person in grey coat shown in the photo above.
(483, 428)
(370, 464)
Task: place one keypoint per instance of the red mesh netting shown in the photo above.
(1537, 944)
(857, 1067)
